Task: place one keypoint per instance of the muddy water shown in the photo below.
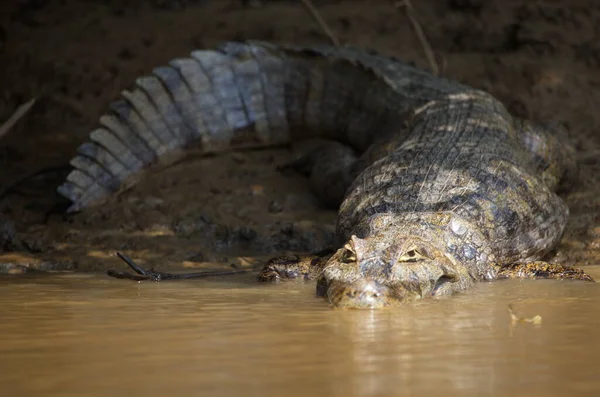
(75, 335)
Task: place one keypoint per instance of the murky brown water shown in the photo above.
(75, 335)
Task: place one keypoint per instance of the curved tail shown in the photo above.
(240, 95)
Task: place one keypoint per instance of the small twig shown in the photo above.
(12, 120)
(412, 17)
(321, 22)
(143, 274)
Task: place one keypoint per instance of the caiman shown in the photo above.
(440, 187)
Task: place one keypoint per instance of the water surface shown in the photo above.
(87, 334)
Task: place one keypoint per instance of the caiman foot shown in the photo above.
(543, 270)
(306, 267)
(152, 275)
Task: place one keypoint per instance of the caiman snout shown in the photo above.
(363, 293)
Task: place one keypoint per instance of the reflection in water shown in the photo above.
(89, 335)
(422, 353)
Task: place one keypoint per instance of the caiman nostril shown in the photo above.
(362, 293)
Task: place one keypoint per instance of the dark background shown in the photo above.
(541, 58)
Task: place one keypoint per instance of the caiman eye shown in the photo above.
(348, 256)
(415, 254)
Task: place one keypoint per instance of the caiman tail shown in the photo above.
(240, 95)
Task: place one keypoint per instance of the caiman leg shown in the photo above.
(332, 166)
(152, 275)
(305, 267)
(553, 157)
(543, 270)
(329, 165)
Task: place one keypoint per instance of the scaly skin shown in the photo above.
(467, 196)
(459, 199)
(447, 189)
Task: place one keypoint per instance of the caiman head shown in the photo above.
(381, 270)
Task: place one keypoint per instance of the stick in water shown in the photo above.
(143, 274)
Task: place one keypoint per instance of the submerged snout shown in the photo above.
(368, 293)
(363, 293)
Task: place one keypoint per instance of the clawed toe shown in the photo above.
(288, 267)
(543, 270)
